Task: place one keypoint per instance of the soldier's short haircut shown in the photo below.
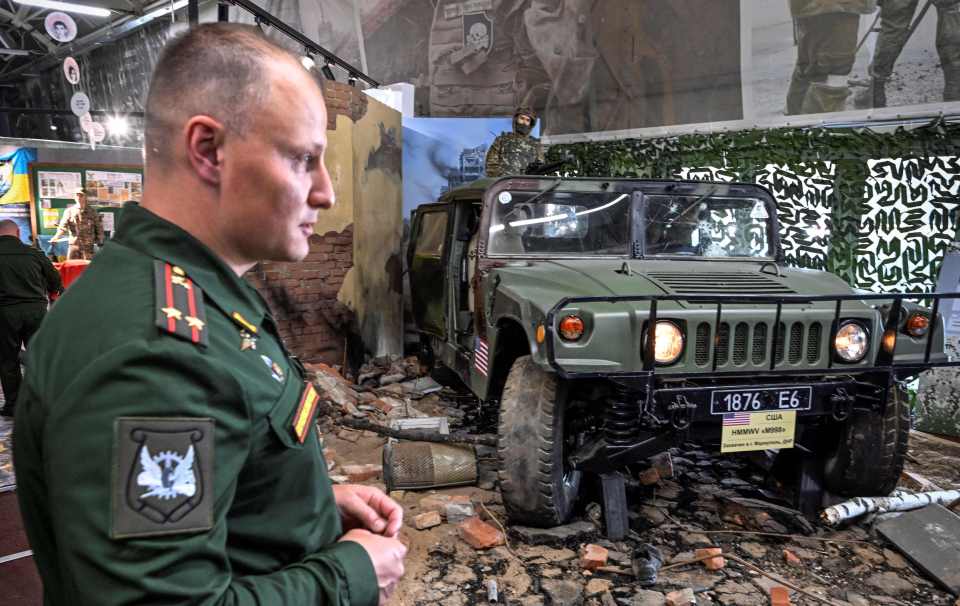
(8, 227)
(216, 69)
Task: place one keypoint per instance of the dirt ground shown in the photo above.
(710, 501)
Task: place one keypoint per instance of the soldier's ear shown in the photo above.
(204, 138)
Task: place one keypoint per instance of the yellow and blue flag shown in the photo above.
(15, 175)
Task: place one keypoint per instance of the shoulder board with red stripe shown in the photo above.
(179, 304)
(303, 418)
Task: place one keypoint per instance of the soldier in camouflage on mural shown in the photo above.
(511, 153)
(82, 226)
(896, 16)
(472, 57)
(826, 33)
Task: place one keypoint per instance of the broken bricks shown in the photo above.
(713, 563)
(593, 557)
(479, 534)
(362, 473)
(684, 597)
(426, 520)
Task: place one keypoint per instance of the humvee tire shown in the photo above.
(538, 488)
(868, 459)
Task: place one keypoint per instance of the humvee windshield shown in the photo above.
(706, 226)
(560, 223)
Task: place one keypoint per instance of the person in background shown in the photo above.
(82, 226)
(27, 279)
(165, 443)
(512, 152)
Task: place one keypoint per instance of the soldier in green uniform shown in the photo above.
(512, 152)
(27, 278)
(826, 50)
(81, 224)
(895, 19)
(165, 445)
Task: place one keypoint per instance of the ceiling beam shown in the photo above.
(111, 32)
(16, 19)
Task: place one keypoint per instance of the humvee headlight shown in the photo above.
(571, 328)
(669, 343)
(917, 325)
(851, 342)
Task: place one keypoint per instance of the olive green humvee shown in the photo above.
(610, 319)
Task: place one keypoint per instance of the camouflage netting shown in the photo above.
(878, 209)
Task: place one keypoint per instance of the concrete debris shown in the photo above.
(578, 531)
(684, 597)
(890, 583)
(598, 586)
(457, 511)
(563, 592)
(426, 520)
(898, 501)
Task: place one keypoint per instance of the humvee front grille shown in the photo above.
(740, 344)
(759, 343)
(796, 342)
(813, 343)
(753, 341)
(702, 354)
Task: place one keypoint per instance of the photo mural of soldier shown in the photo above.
(605, 65)
(826, 32)
(896, 21)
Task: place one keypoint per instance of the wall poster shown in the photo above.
(604, 69)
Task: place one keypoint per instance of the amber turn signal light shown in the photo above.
(917, 325)
(889, 341)
(541, 334)
(571, 328)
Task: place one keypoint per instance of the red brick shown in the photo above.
(362, 473)
(713, 563)
(791, 558)
(779, 596)
(593, 557)
(479, 534)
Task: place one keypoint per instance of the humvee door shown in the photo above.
(426, 260)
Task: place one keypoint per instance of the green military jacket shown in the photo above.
(164, 443)
(26, 274)
(511, 153)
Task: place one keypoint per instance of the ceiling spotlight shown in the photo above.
(69, 7)
(328, 72)
(118, 126)
(307, 62)
(53, 127)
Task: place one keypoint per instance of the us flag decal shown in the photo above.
(481, 355)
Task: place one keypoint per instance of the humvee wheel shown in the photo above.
(869, 457)
(539, 488)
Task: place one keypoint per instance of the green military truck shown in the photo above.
(610, 319)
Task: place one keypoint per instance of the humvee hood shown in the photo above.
(545, 282)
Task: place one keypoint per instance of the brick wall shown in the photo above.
(303, 296)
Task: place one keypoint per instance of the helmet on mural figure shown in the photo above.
(521, 126)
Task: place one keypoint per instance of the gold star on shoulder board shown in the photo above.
(178, 271)
(180, 281)
(193, 322)
(173, 312)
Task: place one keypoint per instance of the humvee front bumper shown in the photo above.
(653, 408)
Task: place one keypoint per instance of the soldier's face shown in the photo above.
(274, 181)
(522, 124)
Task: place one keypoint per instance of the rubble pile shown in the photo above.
(705, 529)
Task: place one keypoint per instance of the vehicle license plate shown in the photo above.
(725, 401)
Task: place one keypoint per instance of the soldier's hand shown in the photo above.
(387, 556)
(368, 508)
